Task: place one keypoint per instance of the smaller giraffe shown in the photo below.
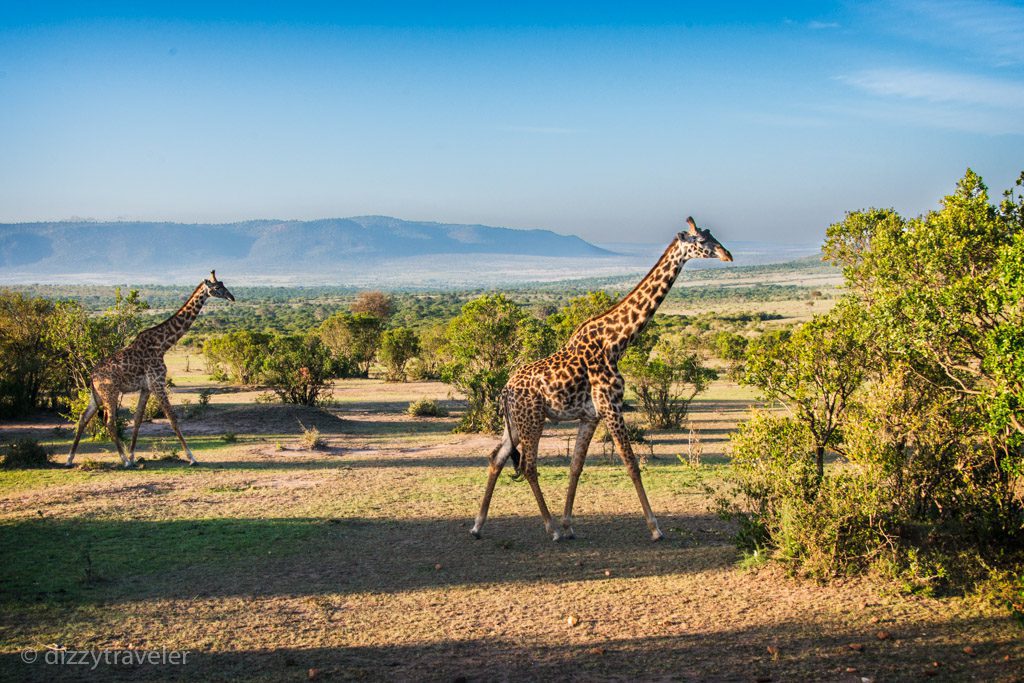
(581, 381)
(140, 367)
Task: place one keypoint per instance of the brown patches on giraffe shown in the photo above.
(140, 367)
(581, 382)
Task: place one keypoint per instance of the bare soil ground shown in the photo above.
(272, 562)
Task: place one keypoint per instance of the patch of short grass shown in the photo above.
(83, 560)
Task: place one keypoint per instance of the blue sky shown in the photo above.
(613, 122)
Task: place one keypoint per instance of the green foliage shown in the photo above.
(813, 371)
(915, 379)
(427, 365)
(297, 368)
(944, 291)
(353, 340)
(426, 407)
(240, 354)
(482, 344)
(576, 312)
(822, 526)
(665, 381)
(398, 346)
(732, 348)
(25, 354)
(24, 454)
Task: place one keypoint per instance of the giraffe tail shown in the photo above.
(514, 455)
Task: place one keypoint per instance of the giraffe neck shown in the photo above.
(629, 317)
(175, 327)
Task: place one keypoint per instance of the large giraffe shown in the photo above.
(581, 382)
(140, 367)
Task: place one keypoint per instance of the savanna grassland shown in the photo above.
(272, 560)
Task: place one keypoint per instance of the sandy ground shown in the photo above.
(273, 562)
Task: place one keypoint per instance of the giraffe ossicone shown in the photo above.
(140, 367)
(581, 382)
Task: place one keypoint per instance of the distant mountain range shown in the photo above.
(256, 246)
(362, 250)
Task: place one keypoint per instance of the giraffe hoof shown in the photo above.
(556, 537)
(568, 534)
(475, 533)
(656, 536)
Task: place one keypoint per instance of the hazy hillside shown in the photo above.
(69, 248)
(361, 251)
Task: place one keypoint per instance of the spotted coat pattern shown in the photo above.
(140, 367)
(581, 382)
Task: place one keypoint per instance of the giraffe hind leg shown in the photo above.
(83, 421)
(110, 407)
(505, 450)
(140, 411)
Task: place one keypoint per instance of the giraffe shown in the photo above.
(581, 381)
(140, 367)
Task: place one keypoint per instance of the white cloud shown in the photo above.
(820, 25)
(940, 87)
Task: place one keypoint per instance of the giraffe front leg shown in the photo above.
(579, 456)
(165, 404)
(528, 445)
(83, 421)
(140, 411)
(617, 426)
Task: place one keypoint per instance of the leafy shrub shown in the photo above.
(427, 407)
(297, 369)
(665, 382)
(237, 356)
(204, 398)
(398, 346)
(25, 454)
(229, 437)
(482, 344)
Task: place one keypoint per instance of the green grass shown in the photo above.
(87, 560)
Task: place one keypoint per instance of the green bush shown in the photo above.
(427, 407)
(297, 368)
(25, 454)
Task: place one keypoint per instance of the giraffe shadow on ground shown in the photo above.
(800, 650)
(87, 562)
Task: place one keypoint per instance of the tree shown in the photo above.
(666, 381)
(482, 344)
(353, 338)
(398, 346)
(732, 348)
(944, 292)
(813, 371)
(297, 368)
(25, 354)
(375, 303)
(241, 352)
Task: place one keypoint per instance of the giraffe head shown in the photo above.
(215, 287)
(699, 243)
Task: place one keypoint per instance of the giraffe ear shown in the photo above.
(693, 226)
